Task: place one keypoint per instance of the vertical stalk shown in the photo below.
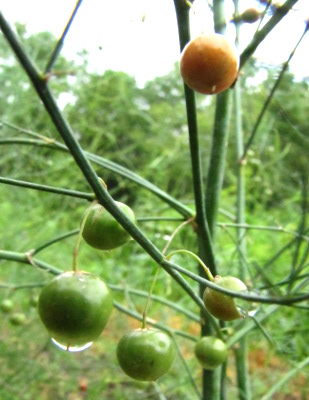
(215, 180)
(220, 136)
(182, 14)
(241, 352)
(217, 158)
(241, 355)
(210, 381)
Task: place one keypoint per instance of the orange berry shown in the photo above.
(250, 16)
(209, 64)
(83, 386)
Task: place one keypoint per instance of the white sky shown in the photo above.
(140, 36)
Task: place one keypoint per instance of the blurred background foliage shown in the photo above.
(145, 130)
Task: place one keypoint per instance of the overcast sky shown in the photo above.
(140, 36)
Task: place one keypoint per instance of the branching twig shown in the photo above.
(267, 28)
(271, 94)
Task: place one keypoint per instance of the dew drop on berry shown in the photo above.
(247, 308)
(71, 349)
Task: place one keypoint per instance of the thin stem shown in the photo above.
(149, 297)
(53, 241)
(158, 299)
(217, 157)
(189, 221)
(22, 286)
(161, 395)
(187, 369)
(302, 227)
(60, 42)
(284, 282)
(241, 353)
(109, 165)
(45, 188)
(271, 95)
(239, 334)
(24, 259)
(203, 232)
(262, 329)
(79, 238)
(220, 135)
(267, 28)
(207, 270)
(263, 228)
(151, 322)
(150, 219)
(300, 366)
(205, 245)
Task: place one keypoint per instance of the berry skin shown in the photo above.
(102, 231)
(145, 354)
(209, 64)
(250, 16)
(75, 307)
(211, 352)
(221, 305)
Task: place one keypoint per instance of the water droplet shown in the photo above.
(71, 349)
(247, 308)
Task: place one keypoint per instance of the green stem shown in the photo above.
(263, 330)
(245, 226)
(149, 297)
(240, 333)
(60, 42)
(162, 327)
(271, 95)
(25, 259)
(203, 232)
(50, 189)
(285, 379)
(217, 158)
(207, 270)
(241, 352)
(205, 245)
(162, 300)
(169, 219)
(22, 286)
(109, 165)
(215, 379)
(287, 300)
(53, 241)
(296, 268)
(267, 28)
(189, 221)
(187, 369)
(78, 241)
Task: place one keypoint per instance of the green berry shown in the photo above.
(75, 307)
(221, 305)
(6, 306)
(17, 319)
(211, 352)
(102, 231)
(145, 354)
